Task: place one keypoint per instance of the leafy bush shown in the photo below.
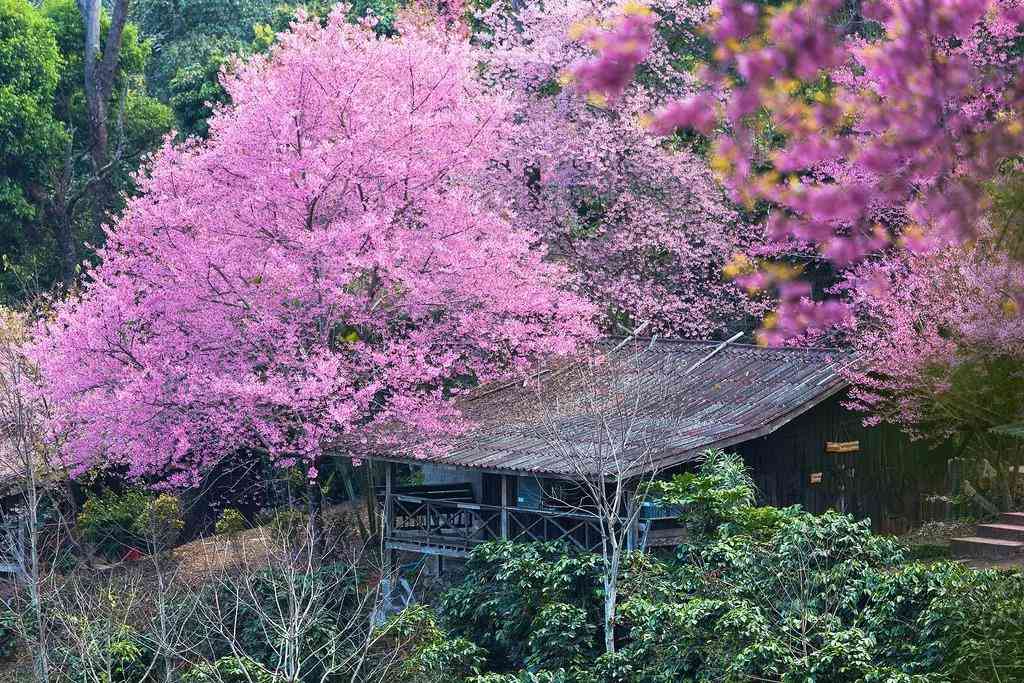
(507, 590)
(429, 654)
(8, 635)
(231, 521)
(229, 670)
(759, 594)
(161, 521)
(713, 496)
(117, 522)
(109, 521)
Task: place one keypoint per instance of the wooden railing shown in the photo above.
(454, 524)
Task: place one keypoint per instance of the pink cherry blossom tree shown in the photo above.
(924, 320)
(642, 222)
(322, 267)
(930, 114)
(879, 149)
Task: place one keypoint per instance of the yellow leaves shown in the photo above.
(579, 28)
(1011, 309)
(781, 272)
(645, 120)
(910, 233)
(720, 164)
(632, 7)
(597, 99)
(739, 264)
(1015, 127)
(566, 78)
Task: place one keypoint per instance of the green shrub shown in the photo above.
(109, 522)
(161, 522)
(231, 521)
(117, 522)
(713, 496)
(8, 635)
(977, 622)
(508, 586)
(428, 653)
(229, 670)
(558, 631)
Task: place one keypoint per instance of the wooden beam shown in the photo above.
(388, 500)
(504, 507)
(842, 446)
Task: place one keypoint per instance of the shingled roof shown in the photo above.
(689, 395)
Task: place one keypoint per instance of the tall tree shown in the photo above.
(73, 183)
(30, 133)
(644, 225)
(929, 113)
(320, 269)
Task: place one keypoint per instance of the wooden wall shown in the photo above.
(886, 479)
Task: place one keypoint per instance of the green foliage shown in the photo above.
(760, 594)
(511, 589)
(44, 137)
(230, 670)
(714, 495)
(195, 91)
(116, 522)
(30, 134)
(976, 623)
(429, 654)
(109, 521)
(160, 522)
(8, 634)
(231, 521)
(559, 629)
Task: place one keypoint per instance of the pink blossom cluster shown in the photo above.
(620, 48)
(322, 268)
(913, 122)
(922, 317)
(645, 228)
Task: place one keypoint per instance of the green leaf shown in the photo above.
(1015, 430)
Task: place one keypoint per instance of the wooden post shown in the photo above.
(388, 503)
(504, 507)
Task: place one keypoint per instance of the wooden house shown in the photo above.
(781, 409)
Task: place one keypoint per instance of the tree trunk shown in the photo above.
(611, 594)
(66, 249)
(314, 503)
(100, 74)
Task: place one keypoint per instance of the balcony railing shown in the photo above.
(454, 528)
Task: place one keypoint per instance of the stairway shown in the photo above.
(1000, 540)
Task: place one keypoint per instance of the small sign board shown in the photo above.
(842, 446)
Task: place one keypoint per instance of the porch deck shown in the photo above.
(453, 528)
(446, 520)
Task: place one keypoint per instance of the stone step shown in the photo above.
(1016, 518)
(988, 548)
(1007, 532)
